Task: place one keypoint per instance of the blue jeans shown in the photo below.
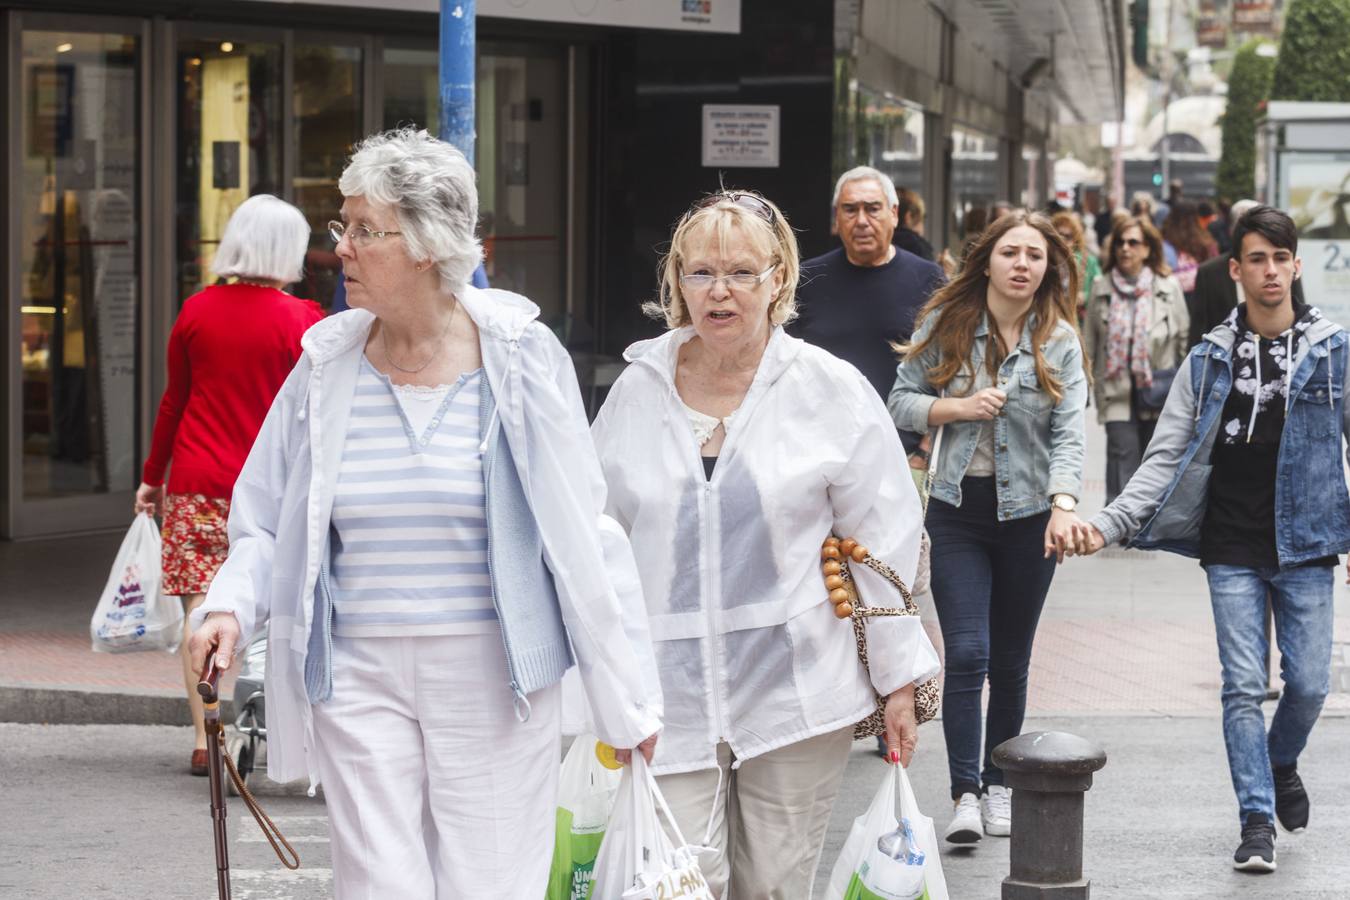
(1302, 600)
(989, 582)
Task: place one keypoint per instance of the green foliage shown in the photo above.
(1248, 87)
(1314, 61)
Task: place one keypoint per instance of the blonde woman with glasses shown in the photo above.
(731, 451)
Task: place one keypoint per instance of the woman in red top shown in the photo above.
(231, 348)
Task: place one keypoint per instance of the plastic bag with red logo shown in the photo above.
(132, 614)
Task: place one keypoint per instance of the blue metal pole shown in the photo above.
(458, 73)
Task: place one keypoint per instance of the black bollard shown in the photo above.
(1048, 773)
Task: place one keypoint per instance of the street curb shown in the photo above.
(34, 704)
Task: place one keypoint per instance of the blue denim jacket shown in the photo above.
(1038, 444)
(1163, 506)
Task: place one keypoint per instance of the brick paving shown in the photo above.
(1123, 633)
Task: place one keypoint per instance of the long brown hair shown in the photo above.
(961, 304)
(1182, 229)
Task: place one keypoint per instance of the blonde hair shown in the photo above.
(758, 221)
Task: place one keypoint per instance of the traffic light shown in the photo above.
(1139, 24)
(1157, 178)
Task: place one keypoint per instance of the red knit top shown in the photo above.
(230, 350)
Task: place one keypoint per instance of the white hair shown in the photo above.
(861, 173)
(265, 240)
(430, 187)
(1240, 209)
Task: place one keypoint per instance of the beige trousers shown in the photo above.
(768, 825)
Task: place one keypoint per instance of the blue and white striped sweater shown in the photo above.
(409, 517)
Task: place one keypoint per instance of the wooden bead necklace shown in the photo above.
(833, 554)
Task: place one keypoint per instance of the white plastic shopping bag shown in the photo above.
(890, 857)
(132, 614)
(586, 791)
(638, 860)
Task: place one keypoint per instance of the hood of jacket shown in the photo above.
(499, 314)
(1224, 335)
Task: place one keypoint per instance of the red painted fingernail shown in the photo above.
(895, 756)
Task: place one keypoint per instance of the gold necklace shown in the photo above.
(440, 342)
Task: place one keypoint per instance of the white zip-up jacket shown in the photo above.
(747, 645)
(283, 500)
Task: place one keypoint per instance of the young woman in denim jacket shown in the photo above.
(998, 364)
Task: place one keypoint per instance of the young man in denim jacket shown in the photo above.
(1245, 472)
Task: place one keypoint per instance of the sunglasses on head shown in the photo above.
(748, 202)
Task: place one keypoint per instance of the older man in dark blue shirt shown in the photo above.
(858, 298)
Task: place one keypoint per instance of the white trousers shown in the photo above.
(434, 789)
(768, 823)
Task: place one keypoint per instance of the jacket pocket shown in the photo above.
(1316, 406)
(1030, 395)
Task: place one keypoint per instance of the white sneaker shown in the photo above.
(996, 810)
(965, 825)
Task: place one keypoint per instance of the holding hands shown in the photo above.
(1068, 535)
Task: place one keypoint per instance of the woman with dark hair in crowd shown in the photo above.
(1136, 328)
(1193, 245)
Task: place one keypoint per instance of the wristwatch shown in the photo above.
(1064, 501)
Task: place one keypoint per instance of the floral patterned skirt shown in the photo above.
(195, 541)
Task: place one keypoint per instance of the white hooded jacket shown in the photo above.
(747, 645)
(282, 505)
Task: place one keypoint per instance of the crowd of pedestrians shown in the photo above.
(433, 535)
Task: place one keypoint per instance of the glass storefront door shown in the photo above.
(522, 173)
(127, 158)
(76, 213)
(327, 118)
(228, 142)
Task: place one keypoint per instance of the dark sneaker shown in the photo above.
(1291, 800)
(1256, 853)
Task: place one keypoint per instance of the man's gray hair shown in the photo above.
(861, 173)
(1238, 210)
(431, 188)
(265, 240)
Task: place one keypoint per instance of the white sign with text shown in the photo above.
(740, 136)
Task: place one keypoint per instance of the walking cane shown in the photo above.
(217, 760)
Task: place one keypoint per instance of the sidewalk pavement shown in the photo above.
(1125, 655)
(1123, 633)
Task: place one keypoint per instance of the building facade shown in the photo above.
(136, 127)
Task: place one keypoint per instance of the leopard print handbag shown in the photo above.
(927, 695)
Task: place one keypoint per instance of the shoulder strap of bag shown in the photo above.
(932, 462)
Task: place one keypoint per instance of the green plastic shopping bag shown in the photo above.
(889, 856)
(586, 791)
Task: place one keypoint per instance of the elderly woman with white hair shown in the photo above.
(421, 521)
(732, 451)
(231, 348)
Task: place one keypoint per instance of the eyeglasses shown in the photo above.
(360, 235)
(748, 202)
(1130, 242)
(700, 283)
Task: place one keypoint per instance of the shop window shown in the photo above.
(229, 143)
(327, 105)
(891, 137)
(411, 80)
(974, 174)
(78, 261)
